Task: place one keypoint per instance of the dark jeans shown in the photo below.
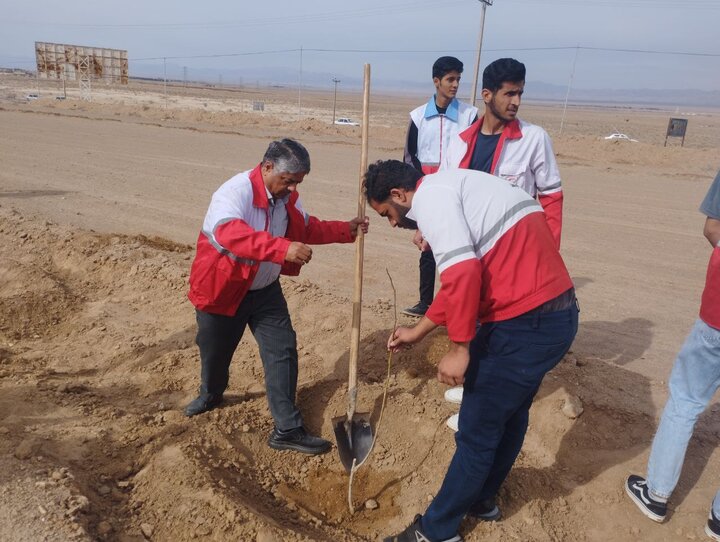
(427, 277)
(266, 312)
(508, 361)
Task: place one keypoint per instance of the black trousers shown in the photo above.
(427, 277)
(265, 312)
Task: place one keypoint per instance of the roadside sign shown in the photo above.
(676, 128)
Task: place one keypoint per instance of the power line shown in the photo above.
(559, 48)
(222, 55)
(409, 51)
(416, 51)
(647, 51)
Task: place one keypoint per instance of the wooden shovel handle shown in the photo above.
(359, 247)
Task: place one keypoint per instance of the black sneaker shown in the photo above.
(485, 510)
(636, 487)
(202, 403)
(299, 441)
(418, 310)
(712, 529)
(414, 534)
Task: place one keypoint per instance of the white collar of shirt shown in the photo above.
(273, 200)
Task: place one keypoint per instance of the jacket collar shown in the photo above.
(260, 191)
(260, 198)
(512, 130)
(451, 113)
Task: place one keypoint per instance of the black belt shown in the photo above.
(560, 303)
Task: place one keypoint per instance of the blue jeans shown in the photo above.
(427, 277)
(508, 361)
(694, 380)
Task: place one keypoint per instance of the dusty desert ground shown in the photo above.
(100, 205)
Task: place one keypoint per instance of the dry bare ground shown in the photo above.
(99, 207)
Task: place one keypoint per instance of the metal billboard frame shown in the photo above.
(66, 62)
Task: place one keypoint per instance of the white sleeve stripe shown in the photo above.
(223, 221)
(456, 252)
(551, 187)
(455, 260)
(225, 252)
(510, 215)
(546, 191)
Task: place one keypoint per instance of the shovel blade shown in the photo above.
(354, 439)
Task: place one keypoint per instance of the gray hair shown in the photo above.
(288, 156)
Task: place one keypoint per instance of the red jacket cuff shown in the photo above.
(552, 204)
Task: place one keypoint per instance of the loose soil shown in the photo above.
(99, 207)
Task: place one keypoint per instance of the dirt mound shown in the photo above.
(97, 358)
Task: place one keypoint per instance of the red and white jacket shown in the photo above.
(234, 240)
(496, 256)
(710, 304)
(524, 157)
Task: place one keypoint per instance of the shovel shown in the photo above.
(353, 432)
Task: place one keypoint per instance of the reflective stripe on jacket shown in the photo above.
(234, 241)
(524, 157)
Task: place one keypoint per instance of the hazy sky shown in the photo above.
(409, 34)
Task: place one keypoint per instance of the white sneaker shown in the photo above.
(454, 395)
(452, 422)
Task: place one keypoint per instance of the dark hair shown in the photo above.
(445, 65)
(288, 156)
(384, 175)
(503, 70)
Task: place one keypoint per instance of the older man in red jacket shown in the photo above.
(254, 230)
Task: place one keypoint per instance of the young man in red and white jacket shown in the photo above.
(510, 148)
(498, 265)
(432, 126)
(256, 229)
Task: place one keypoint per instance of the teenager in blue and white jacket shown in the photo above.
(432, 126)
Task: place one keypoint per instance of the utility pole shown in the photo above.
(567, 94)
(185, 76)
(336, 81)
(300, 83)
(485, 4)
(165, 80)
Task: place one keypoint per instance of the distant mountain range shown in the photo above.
(535, 90)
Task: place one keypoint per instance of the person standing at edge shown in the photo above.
(694, 380)
(499, 265)
(432, 127)
(512, 149)
(254, 230)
